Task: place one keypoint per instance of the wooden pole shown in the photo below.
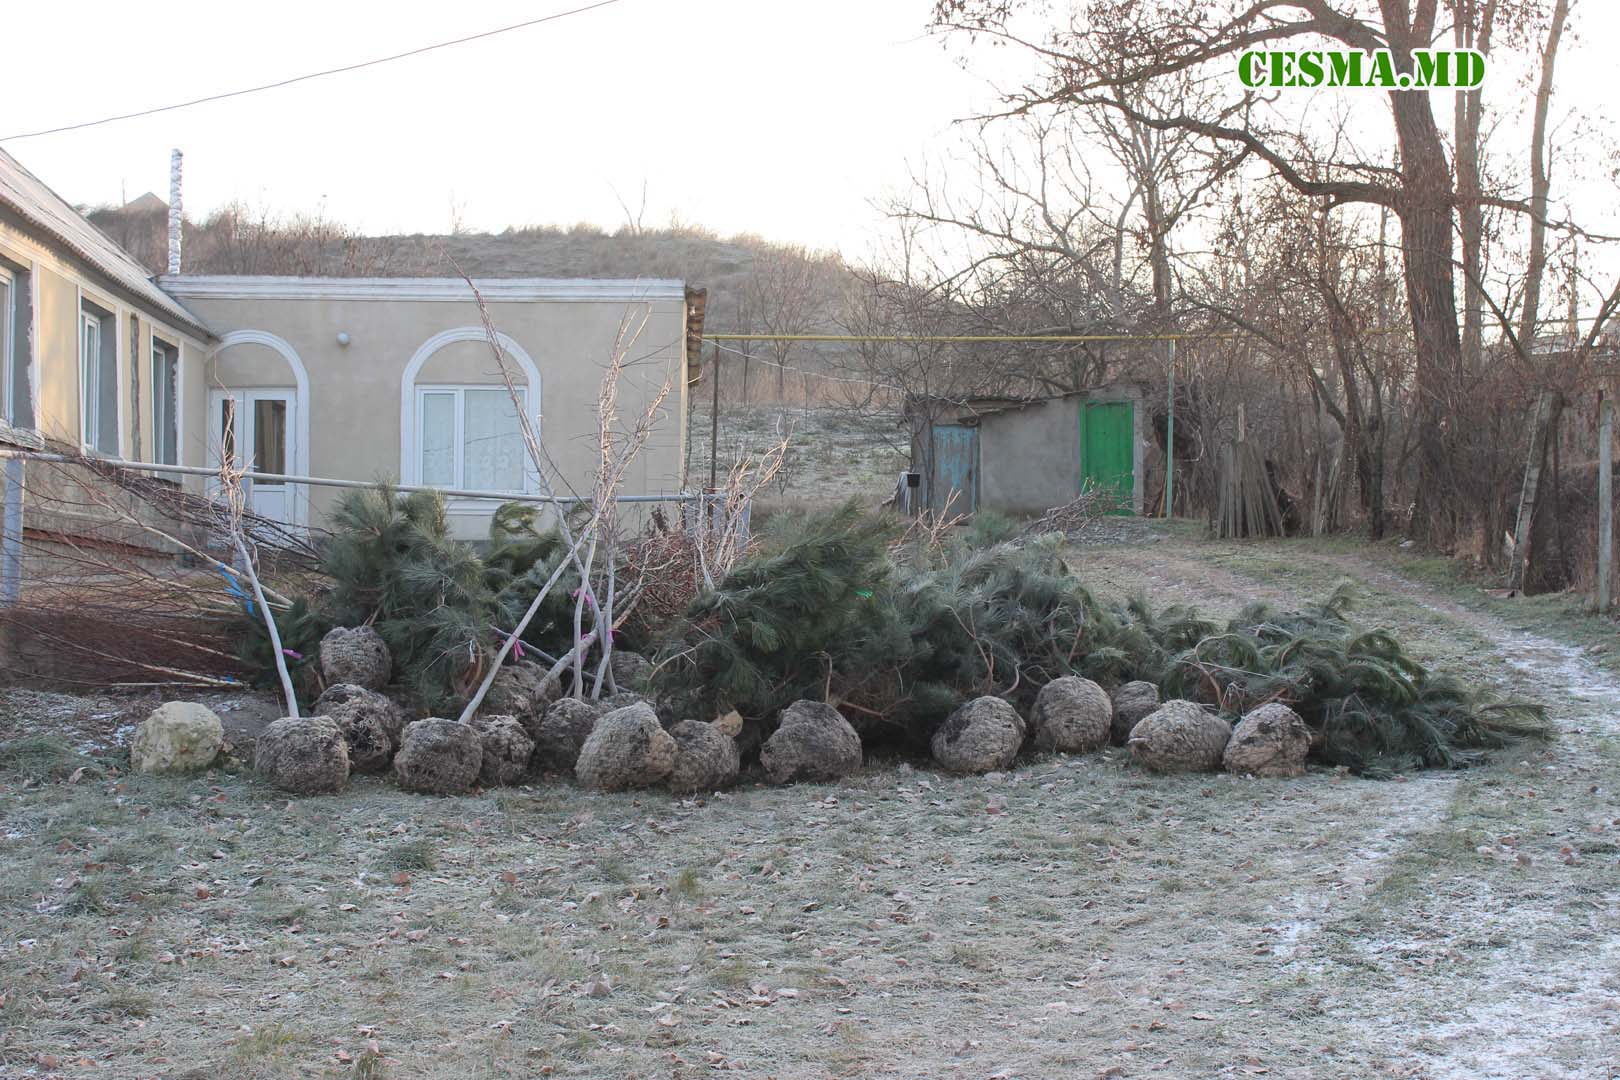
(1316, 490)
(1605, 545)
(1528, 492)
(1170, 439)
(714, 423)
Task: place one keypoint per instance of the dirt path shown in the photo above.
(1488, 914)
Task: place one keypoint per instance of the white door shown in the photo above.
(260, 423)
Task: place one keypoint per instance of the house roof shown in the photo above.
(494, 290)
(32, 200)
(978, 408)
(146, 204)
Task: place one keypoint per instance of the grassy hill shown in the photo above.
(237, 240)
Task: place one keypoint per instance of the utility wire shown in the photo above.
(313, 74)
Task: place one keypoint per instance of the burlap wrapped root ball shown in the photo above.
(812, 741)
(372, 725)
(1072, 716)
(1180, 736)
(439, 757)
(1270, 741)
(521, 690)
(355, 655)
(631, 670)
(305, 755)
(627, 748)
(706, 758)
(1132, 701)
(981, 736)
(506, 749)
(562, 732)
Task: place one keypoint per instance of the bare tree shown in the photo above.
(1108, 47)
(783, 295)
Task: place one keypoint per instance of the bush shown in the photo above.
(1375, 710)
(806, 616)
(391, 562)
(897, 635)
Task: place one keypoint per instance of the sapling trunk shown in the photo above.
(269, 622)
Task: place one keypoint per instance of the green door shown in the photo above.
(1107, 436)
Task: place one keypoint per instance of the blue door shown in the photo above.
(956, 469)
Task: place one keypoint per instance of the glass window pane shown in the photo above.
(107, 437)
(269, 437)
(438, 439)
(90, 366)
(165, 398)
(227, 431)
(6, 303)
(492, 444)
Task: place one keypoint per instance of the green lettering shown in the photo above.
(1282, 69)
(1344, 68)
(1383, 74)
(1251, 68)
(1433, 68)
(1470, 69)
(1310, 68)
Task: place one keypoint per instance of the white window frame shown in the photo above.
(89, 380)
(158, 344)
(8, 345)
(459, 471)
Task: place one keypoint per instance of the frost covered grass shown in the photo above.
(1073, 917)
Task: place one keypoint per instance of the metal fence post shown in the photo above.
(1605, 545)
(1170, 438)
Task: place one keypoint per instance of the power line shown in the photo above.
(313, 74)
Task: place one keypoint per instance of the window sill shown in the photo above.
(20, 437)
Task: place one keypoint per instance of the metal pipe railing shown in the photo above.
(322, 481)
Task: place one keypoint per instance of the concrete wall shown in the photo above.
(1030, 456)
(356, 397)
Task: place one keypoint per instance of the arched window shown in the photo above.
(459, 426)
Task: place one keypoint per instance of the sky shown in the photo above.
(790, 120)
(743, 115)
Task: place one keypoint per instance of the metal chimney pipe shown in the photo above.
(174, 212)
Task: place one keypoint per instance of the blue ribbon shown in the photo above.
(234, 587)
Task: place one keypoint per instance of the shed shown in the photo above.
(1029, 455)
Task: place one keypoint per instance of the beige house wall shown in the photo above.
(357, 396)
(57, 286)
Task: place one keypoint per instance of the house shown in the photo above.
(373, 379)
(1028, 455)
(91, 350)
(394, 378)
